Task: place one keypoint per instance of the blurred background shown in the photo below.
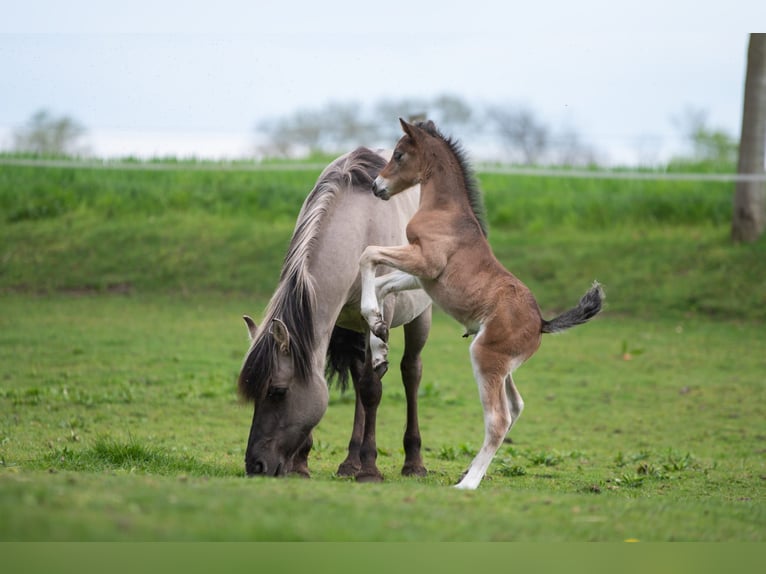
(549, 83)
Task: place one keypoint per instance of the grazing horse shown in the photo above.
(448, 255)
(312, 326)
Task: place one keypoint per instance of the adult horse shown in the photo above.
(448, 255)
(312, 326)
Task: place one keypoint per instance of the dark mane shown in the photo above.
(472, 186)
(294, 300)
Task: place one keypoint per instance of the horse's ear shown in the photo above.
(251, 326)
(408, 128)
(281, 335)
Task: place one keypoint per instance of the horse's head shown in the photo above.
(289, 399)
(405, 169)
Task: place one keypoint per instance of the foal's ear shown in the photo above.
(409, 129)
(281, 335)
(251, 326)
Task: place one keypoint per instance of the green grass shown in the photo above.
(513, 201)
(121, 295)
(118, 420)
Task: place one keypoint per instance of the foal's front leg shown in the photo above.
(389, 283)
(370, 304)
(410, 265)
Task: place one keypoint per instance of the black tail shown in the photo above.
(588, 307)
(346, 348)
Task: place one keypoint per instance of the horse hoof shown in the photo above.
(414, 470)
(380, 330)
(381, 368)
(369, 476)
(348, 469)
(300, 474)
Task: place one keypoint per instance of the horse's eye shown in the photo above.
(277, 392)
(398, 156)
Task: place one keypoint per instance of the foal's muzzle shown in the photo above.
(380, 190)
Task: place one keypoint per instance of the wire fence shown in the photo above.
(314, 166)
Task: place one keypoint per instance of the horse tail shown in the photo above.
(588, 307)
(346, 348)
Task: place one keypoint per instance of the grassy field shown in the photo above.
(121, 338)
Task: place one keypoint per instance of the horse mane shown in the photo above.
(475, 198)
(294, 300)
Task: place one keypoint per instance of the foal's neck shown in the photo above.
(443, 180)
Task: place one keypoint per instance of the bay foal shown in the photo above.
(448, 255)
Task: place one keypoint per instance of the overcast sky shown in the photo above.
(142, 75)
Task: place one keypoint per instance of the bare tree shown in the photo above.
(569, 149)
(346, 127)
(388, 112)
(520, 131)
(452, 112)
(749, 217)
(304, 129)
(332, 128)
(45, 134)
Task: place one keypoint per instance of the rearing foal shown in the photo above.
(448, 255)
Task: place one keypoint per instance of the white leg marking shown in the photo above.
(378, 351)
(394, 282)
(515, 402)
(497, 422)
(370, 306)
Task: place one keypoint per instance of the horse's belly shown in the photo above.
(350, 317)
(408, 305)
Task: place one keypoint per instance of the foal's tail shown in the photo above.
(588, 307)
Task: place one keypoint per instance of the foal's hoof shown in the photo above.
(380, 330)
(380, 369)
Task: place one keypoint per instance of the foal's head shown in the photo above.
(405, 168)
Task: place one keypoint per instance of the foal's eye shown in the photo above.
(277, 392)
(398, 156)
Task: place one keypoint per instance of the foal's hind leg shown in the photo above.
(490, 369)
(415, 335)
(515, 402)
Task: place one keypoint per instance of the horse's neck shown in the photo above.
(330, 295)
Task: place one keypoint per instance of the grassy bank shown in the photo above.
(659, 246)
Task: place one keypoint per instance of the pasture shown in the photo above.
(121, 339)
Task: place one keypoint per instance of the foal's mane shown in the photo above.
(295, 298)
(469, 178)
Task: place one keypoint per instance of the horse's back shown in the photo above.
(355, 219)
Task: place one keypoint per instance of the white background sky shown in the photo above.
(194, 78)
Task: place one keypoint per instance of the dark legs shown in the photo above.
(362, 449)
(361, 461)
(415, 335)
(352, 465)
(370, 391)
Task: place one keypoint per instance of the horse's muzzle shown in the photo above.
(261, 468)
